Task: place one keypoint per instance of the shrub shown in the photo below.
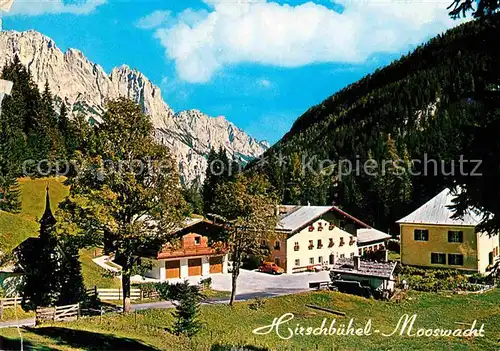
(186, 314)
(393, 245)
(206, 283)
(257, 304)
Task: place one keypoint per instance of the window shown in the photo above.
(455, 236)
(438, 258)
(330, 242)
(342, 255)
(341, 241)
(197, 240)
(297, 262)
(351, 240)
(311, 245)
(277, 245)
(342, 225)
(296, 246)
(311, 260)
(490, 258)
(455, 259)
(320, 259)
(320, 244)
(360, 252)
(320, 227)
(421, 235)
(277, 261)
(352, 254)
(331, 226)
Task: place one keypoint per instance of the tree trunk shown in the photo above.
(126, 289)
(235, 274)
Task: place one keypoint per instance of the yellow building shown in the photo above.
(431, 238)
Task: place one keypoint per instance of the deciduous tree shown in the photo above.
(126, 192)
(248, 206)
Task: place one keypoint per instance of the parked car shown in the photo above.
(271, 268)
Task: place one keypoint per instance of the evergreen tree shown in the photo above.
(193, 197)
(187, 310)
(41, 261)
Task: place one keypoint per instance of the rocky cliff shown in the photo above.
(85, 87)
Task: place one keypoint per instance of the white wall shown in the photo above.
(303, 237)
(373, 281)
(158, 270)
(485, 245)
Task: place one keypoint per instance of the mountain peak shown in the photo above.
(85, 87)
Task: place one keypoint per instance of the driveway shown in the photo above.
(253, 282)
(258, 282)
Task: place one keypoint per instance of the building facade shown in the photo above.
(313, 236)
(193, 257)
(430, 237)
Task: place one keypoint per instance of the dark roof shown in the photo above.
(48, 218)
(366, 268)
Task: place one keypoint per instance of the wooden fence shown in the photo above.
(57, 314)
(10, 302)
(117, 294)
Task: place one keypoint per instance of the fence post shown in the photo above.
(119, 293)
(55, 310)
(1, 308)
(78, 317)
(100, 317)
(141, 297)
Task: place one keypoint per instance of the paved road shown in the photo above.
(241, 297)
(29, 322)
(251, 284)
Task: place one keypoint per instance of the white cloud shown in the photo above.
(44, 7)
(289, 36)
(265, 83)
(153, 20)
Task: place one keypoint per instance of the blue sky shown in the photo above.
(261, 64)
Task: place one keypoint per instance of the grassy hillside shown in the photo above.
(14, 228)
(226, 326)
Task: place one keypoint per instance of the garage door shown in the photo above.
(194, 266)
(173, 269)
(216, 264)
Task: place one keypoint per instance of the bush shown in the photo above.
(394, 245)
(257, 304)
(206, 283)
(148, 290)
(422, 279)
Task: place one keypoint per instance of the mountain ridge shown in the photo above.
(85, 87)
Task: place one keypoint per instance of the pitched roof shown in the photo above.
(297, 217)
(436, 211)
(367, 235)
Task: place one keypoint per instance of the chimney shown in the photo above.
(356, 260)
